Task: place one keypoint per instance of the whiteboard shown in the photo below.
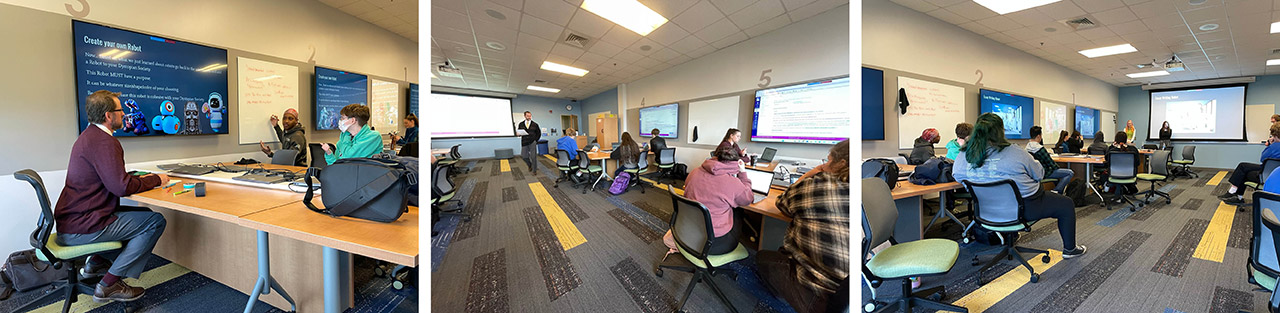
(1108, 127)
(712, 118)
(265, 89)
(933, 105)
(1053, 119)
(1256, 125)
(385, 111)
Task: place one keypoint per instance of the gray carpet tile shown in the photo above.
(487, 292)
(1230, 301)
(509, 194)
(1070, 294)
(557, 269)
(475, 209)
(642, 287)
(642, 232)
(1175, 258)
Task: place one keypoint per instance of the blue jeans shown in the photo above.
(138, 228)
(1064, 176)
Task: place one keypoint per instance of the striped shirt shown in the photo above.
(818, 237)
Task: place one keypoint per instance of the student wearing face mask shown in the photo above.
(292, 137)
(356, 140)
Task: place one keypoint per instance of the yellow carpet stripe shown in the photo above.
(565, 231)
(552, 158)
(506, 166)
(1213, 245)
(1217, 179)
(151, 278)
(661, 185)
(988, 295)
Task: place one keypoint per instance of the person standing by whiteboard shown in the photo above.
(529, 142)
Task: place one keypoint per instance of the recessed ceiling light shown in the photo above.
(495, 46)
(1196, 2)
(1009, 6)
(1148, 74)
(1111, 50)
(1050, 29)
(496, 15)
(554, 67)
(1209, 27)
(1275, 27)
(630, 14)
(1273, 62)
(543, 89)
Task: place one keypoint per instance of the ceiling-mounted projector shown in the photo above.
(1174, 64)
(448, 70)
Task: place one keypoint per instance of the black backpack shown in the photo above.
(680, 171)
(934, 171)
(882, 168)
(365, 188)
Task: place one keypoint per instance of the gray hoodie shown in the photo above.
(1011, 163)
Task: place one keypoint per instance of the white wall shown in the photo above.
(815, 48)
(901, 40)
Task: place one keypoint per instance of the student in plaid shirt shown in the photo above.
(815, 253)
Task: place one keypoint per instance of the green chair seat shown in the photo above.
(633, 170)
(565, 168)
(595, 168)
(1122, 181)
(718, 260)
(1049, 180)
(1004, 229)
(71, 252)
(446, 162)
(446, 197)
(920, 257)
(666, 166)
(1151, 177)
(1263, 279)
(1253, 184)
(1183, 161)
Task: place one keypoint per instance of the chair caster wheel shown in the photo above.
(378, 271)
(398, 285)
(1133, 209)
(869, 307)
(1168, 201)
(657, 272)
(938, 296)
(1045, 258)
(1251, 280)
(966, 240)
(1035, 278)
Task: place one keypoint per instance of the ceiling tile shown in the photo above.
(502, 16)
(1115, 16)
(679, 60)
(699, 16)
(1094, 6)
(668, 34)
(541, 28)
(1153, 8)
(717, 31)
(918, 5)
(554, 11)
(528, 41)
(768, 26)
(668, 8)
(491, 30)
(592, 58)
(732, 6)
(566, 51)
(589, 24)
(1030, 17)
(688, 45)
(977, 28)
(757, 13)
(730, 40)
(1000, 23)
(665, 55)
(947, 16)
(513, 4)
(792, 5)
(1096, 33)
(358, 7)
(620, 36)
(627, 56)
(1061, 10)
(1128, 28)
(970, 10)
(638, 47)
(701, 52)
(605, 49)
(815, 8)
(999, 37)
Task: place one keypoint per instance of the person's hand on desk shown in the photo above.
(164, 179)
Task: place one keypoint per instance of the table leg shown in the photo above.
(336, 284)
(910, 224)
(772, 231)
(1088, 170)
(265, 281)
(604, 172)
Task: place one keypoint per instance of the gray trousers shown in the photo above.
(530, 155)
(139, 228)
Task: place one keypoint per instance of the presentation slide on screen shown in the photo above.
(662, 117)
(1199, 114)
(1016, 111)
(336, 89)
(470, 116)
(817, 112)
(166, 87)
(1087, 121)
(413, 99)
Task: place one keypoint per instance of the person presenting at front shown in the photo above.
(720, 185)
(529, 142)
(1166, 136)
(1051, 170)
(1129, 131)
(923, 148)
(89, 210)
(814, 256)
(1249, 172)
(627, 154)
(1099, 146)
(731, 139)
(962, 134)
(410, 131)
(657, 143)
(989, 157)
(292, 137)
(357, 140)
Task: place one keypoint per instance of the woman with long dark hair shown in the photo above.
(627, 154)
(731, 138)
(1076, 142)
(1166, 136)
(1062, 145)
(987, 157)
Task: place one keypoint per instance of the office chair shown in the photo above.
(1268, 166)
(999, 207)
(1159, 174)
(1188, 159)
(443, 190)
(317, 155)
(1150, 146)
(900, 159)
(593, 172)
(47, 249)
(1122, 170)
(635, 172)
(666, 159)
(691, 227)
(1263, 265)
(284, 156)
(566, 167)
(409, 149)
(926, 257)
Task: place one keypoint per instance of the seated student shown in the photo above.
(1099, 146)
(962, 134)
(989, 157)
(627, 154)
(1248, 172)
(731, 139)
(292, 137)
(1121, 144)
(814, 256)
(720, 185)
(568, 143)
(923, 149)
(1051, 170)
(356, 139)
(1061, 146)
(410, 131)
(1075, 143)
(657, 143)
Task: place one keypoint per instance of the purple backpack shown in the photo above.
(620, 183)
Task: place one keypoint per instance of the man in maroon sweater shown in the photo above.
(89, 208)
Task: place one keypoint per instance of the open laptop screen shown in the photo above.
(760, 180)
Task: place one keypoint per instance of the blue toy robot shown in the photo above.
(166, 122)
(135, 121)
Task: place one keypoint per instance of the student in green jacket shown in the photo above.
(356, 140)
(962, 134)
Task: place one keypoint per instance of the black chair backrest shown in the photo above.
(1151, 146)
(997, 203)
(767, 156)
(643, 159)
(41, 235)
(317, 155)
(1268, 166)
(562, 159)
(1124, 165)
(284, 157)
(879, 213)
(1266, 232)
(453, 152)
(1189, 153)
(583, 161)
(616, 145)
(441, 182)
(1160, 162)
(691, 225)
(666, 156)
(409, 149)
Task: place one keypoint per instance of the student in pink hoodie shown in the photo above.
(720, 184)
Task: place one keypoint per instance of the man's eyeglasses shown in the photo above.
(117, 110)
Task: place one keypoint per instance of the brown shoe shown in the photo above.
(117, 292)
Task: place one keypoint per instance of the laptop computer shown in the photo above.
(767, 156)
(193, 170)
(760, 182)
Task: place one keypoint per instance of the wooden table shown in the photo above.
(773, 224)
(767, 167)
(395, 242)
(1088, 161)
